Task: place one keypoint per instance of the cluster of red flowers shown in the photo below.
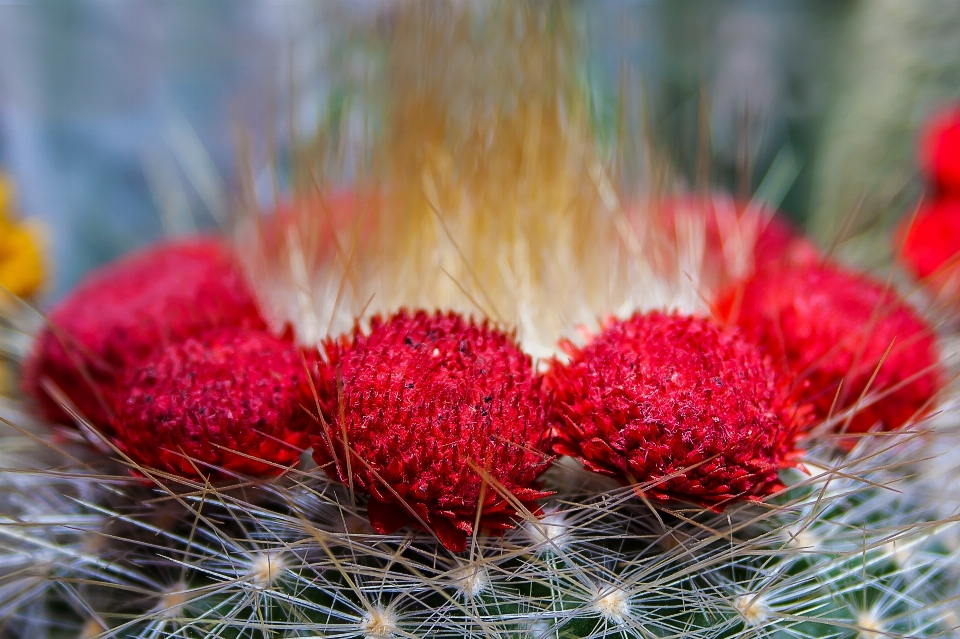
(119, 314)
(443, 421)
(165, 353)
(930, 240)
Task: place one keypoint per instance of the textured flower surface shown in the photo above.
(225, 402)
(122, 312)
(431, 406)
(940, 150)
(678, 405)
(847, 341)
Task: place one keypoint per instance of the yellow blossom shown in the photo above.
(21, 264)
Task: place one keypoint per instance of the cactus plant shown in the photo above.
(861, 546)
(513, 217)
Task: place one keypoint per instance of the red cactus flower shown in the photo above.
(316, 225)
(226, 402)
(428, 405)
(739, 236)
(929, 245)
(750, 227)
(678, 405)
(121, 312)
(825, 325)
(940, 150)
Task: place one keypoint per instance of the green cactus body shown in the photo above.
(856, 549)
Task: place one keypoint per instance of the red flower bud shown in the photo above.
(929, 245)
(824, 324)
(121, 312)
(682, 407)
(226, 401)
(940, 150)
(428, 405)
(735, 226)
(314, 227)
(738, 236)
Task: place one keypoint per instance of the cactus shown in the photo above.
(861, 546)
(862, 539)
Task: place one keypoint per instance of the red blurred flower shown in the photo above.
(824, 324)
(226, 402)
(939, 150)
(678, 404)
(317, 227)
(426, 403)
(738, 236)
(929, 245)
(123, 311)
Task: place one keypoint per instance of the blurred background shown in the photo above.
(118, 118)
